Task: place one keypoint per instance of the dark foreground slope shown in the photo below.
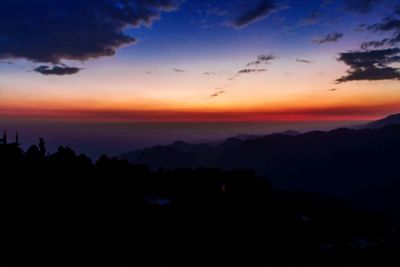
(63, 210)
(356, 164)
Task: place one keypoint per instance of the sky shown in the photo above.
(104, 62)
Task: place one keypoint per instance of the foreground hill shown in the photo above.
(63, 210)
(343, 162)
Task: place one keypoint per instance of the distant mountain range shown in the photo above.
(182, 154)
(389, 120)
(361, 164)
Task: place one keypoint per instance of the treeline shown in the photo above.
(62, 209)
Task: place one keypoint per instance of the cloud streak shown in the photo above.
(247, 71)
(376, 58)
(312, 19)
(179, 70)
(330, 38)
(262, 10)
(209, 73)
(304, 61)
(57, 70)
(218, 93)
(390, 24)
(262, 59)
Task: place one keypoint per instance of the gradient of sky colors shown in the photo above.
(199, 60)
(187, 63)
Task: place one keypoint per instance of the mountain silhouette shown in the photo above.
(389, 120)
(252, 136)
(62, 209)
(349, 163)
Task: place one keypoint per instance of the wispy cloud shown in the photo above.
(217, 93)
(179, 70)
(390, 24)
(311, 19)
(253, 67)
(330, 38)
(262, 59)
(376, 58)
(59, 70)
(246, 71)
(304, 61)
(255, 13)
(209, 73)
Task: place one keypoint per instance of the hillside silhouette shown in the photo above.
(62, 209)
(389, 120)
(359, 165)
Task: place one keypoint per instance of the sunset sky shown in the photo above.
(199, 60)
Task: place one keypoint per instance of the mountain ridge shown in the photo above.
(389, 120)
(343, 162)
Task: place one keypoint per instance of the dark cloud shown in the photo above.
(388, 24)
(179, 70)
(311, 19)
(361, 6)
(391, 25)
(371, 74)
(262, 10)
(332, 90)
(330, 38)
(262, 59)
(371, 65)
(57, 70)
(218, 93)
(245, 71)
(304, 61)
(209, 73)
(50, 31)
(374, 44)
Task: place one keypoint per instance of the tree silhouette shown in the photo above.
(62, 209)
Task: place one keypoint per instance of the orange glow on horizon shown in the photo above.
(313, 113)
(116, 95)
